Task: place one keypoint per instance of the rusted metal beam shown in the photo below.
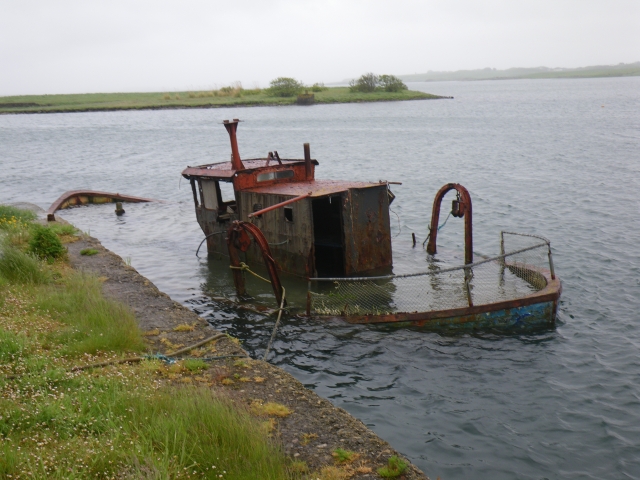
(462, 209)
(279, 205)
(231, 127)
(82, 197)
(237, 240)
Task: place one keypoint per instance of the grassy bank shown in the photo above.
(144, 420)
(228, 97)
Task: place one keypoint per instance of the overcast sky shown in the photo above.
(77, 46)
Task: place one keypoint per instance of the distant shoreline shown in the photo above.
(597, 71)
(109, 102)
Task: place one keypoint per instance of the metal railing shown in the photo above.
(508, 276)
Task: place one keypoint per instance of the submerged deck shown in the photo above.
(495, 292)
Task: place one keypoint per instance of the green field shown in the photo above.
(194, 99)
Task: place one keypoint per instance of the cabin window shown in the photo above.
(226, 192)
(288, 214)
(264, 177)
(195, 194)
(209, 194)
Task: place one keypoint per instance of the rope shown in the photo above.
(275, 328)
(399, 226)
(439, 228)
(210, 235)
(245, 268)
(158, 356)
(445, 222)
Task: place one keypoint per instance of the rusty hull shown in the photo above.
(84, 197)
(536, 310)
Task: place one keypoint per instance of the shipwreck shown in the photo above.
(336, 235)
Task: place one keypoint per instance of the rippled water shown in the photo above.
(559, 158)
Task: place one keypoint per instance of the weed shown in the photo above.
(344, 456)
(194, 365)
(298, 467)
(166, 96)
(127, 261)
(307, 438)
(270, 409)
(394, 468)
(184, 328)
(45, 244)
(89, 251)
(333, 473)
(240, 364)
(192, 95)
(62, 230)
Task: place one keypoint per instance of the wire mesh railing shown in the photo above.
(515, 273)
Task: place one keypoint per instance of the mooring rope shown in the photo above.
(245, 268)
(164, 357)
(275, 328)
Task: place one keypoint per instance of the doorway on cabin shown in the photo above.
(328, 236)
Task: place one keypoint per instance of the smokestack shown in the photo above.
(236, 162)
(307, 162)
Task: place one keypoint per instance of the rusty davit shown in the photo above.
(336, 236)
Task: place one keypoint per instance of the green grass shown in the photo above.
(8, 213)
(20, 267)
(89, 252)
(121, 421)
(158, 100)
(394, 468)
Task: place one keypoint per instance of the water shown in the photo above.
(559, 158)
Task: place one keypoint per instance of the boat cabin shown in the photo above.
(325, 228)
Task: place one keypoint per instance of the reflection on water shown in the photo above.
(537, 156)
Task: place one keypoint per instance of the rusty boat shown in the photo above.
(335, 236)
